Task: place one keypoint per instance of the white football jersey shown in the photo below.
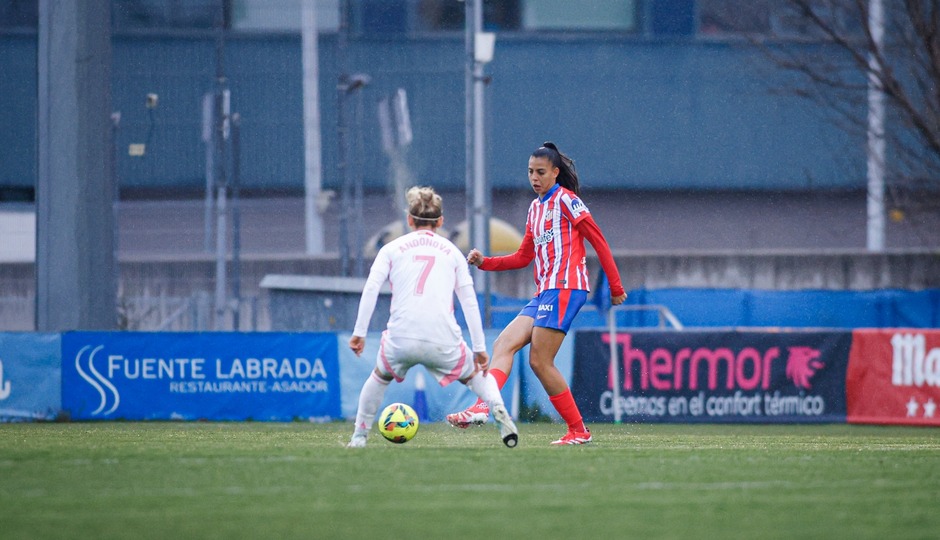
(424, 270)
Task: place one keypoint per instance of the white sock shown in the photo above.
(370, 397)
(486, 388)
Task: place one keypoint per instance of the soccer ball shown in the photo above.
(398, 423)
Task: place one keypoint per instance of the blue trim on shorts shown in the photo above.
(548, 311)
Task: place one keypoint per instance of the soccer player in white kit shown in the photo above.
(424, 270)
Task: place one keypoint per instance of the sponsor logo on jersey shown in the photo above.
(545, 237)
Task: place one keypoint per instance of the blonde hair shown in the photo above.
(424, 205)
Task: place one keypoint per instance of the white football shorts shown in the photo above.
(447, 363)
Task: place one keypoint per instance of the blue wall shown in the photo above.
(634, 113)
(18, 110)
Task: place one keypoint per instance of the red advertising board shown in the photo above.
(894, 377)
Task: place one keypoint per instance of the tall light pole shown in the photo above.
(876, 132)
(221, 133)
(479, 49)
(313, 163)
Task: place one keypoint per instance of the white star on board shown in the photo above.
(929, 408)
(912, 406)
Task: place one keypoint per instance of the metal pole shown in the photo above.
(313, 164)
(480, 236)
(342, 133)
(614, 370)
(116, 210)
(222, 108)
(477, 236)
(468, 119)
(236, 222)
(357, 194)
(208, 137)
(876, 133)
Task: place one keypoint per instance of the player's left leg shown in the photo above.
(557, 310)
(545, 344)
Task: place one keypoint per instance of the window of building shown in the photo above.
(282, 15)
(619, 15)
(650, 18)
(170, 14)
(19, 13)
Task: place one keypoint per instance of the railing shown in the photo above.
(151, 313)
(17, 313)
(665, 316)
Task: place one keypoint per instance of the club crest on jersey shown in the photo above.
(550, 215)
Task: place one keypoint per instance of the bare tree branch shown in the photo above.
(832, 48)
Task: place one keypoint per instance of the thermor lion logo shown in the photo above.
(97, 380)
(802, 365)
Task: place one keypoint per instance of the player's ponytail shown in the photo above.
(567, 175)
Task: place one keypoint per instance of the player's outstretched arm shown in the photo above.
(589, 229)
(520, 259)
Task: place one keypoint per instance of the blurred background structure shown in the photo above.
(721, 143)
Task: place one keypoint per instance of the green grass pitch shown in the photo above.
(296, 480)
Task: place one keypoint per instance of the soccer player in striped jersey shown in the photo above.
(557, 224)
(425, 271)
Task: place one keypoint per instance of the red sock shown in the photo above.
(566, 407)
(500, 381)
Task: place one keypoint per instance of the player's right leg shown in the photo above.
(388, 367)
(510, 341)
(370, 397)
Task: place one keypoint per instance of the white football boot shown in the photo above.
(507, 428)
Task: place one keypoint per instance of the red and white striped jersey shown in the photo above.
(559, 247)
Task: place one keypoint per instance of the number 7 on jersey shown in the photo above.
(428, 262)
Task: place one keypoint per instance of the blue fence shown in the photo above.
(727, 308)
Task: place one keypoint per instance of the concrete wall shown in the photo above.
(193, 277)
(779, 270)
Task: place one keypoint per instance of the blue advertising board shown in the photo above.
(431, 401)
(709, 376)
(192, 376)
(29, 376)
